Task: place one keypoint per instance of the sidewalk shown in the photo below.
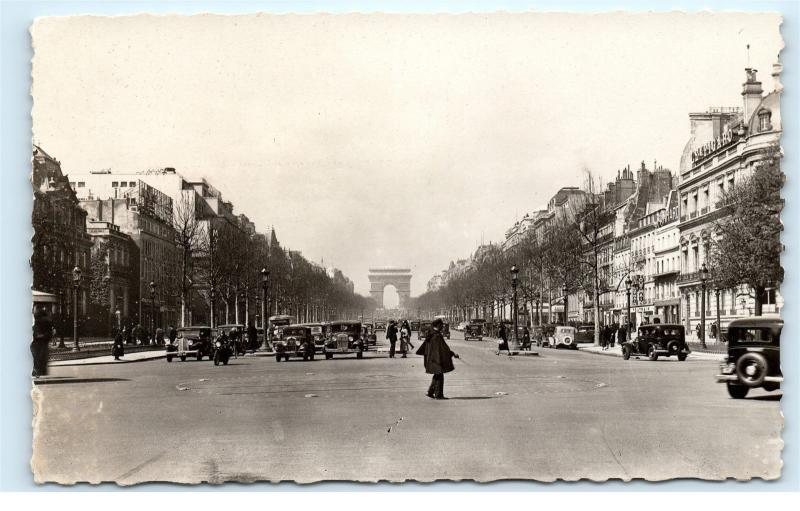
(616, 351)
(108, 359)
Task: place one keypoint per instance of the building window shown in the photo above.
(72, 184)
(764, 118)
(81, 184)
(114, 184)
(768, 297)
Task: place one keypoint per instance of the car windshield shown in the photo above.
(194, 332)
(672, 332)
(349, 329)
(316, 329)
(294, 331)
(751, 335)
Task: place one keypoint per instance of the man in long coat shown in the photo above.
(391, 334)
(438, 359)
(40, 344)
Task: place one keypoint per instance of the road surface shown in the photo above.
(562, 415)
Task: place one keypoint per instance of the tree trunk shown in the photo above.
(758, 301)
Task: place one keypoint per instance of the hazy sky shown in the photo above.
(372, 140)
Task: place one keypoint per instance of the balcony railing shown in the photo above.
(688, 277)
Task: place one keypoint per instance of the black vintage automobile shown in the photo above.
(196, 341)
(474, 329)
(319, 332)
(380, 325)
(445, 326)
(754, 356)
(345, 338)
(296, 341)
(658, 340)
(414, 324)
(424, 326)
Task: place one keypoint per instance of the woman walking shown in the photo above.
(438, 359)
(118, 350)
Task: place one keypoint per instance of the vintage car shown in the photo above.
(380, 325)
(319, 332)
(297, 341)
(196, 341)
(424, 326)
(754, 356)
(445, 326)
(658, 340)
(345, 338)
(474, 329)
(584, 333)
(276, 323)
(414, 324)
(563, 337)
(237, 335)
(461, 326)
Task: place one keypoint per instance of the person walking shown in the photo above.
(438, 359)
(159, 336)
(697, 329)
(613, 336)
(603, 337)
(391, 334)
(173, 334)
(714, 330)
(407, 327)
(622, 335)
(526, 338)
(252, 337)
(40, 343)
(118, 349)
(503, 335)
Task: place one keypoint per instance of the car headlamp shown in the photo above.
(218, 344)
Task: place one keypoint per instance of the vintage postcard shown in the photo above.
(385, 247)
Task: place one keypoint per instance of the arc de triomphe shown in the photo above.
(400, 278)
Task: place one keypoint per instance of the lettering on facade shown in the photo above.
(709, 148)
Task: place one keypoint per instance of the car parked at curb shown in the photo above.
(754, 356)
(563, 337)
(658, 340)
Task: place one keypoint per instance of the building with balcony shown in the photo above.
(725, 145)
(666, 252)
(60, 241)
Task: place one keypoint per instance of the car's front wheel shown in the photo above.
(737, 391)
(651, 353)
(169, 358)
(328, 356)
(183, 358)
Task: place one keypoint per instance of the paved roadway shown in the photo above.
(562, 415)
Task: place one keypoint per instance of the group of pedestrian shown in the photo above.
(613, 334)
(502, 334)
(404, 331)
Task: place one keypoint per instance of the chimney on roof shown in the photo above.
(777, 68)
(751, 92)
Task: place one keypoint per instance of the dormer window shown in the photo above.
(764, 120)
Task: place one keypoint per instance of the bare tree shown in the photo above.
(189, 238)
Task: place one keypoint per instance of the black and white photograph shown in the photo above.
(406, 247)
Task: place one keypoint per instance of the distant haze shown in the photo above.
(372, 140)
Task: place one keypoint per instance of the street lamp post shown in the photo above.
(264, 306)
(514, 312)
(152, 310)
(538, 299)
(76, 284)
(703, 277)
(213, 296)
(61, 322)
(628, 294)
(565, 290)
(719, 324)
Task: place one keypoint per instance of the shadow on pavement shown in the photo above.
(766, 397)
(470, 398)
(76, 380)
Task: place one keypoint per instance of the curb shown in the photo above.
(77, 362)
